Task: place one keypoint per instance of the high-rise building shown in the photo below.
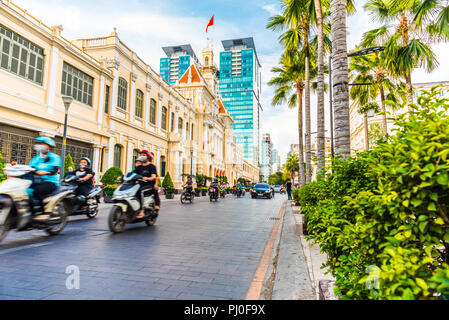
(179, 59)
(275, 161)
(266, 157)
(239, 86)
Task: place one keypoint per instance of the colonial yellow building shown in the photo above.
(358, 137)
(121, 105)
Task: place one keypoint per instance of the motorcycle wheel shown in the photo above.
(182, 198)
(115, 221)
(93, 214)
(151, 222)
(63, 213)
(4, 229)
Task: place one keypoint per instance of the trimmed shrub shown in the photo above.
(68, 162)
(382, 216)
(2, 167)
(111, 175)
(167, 184)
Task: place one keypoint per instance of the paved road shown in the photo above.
(199, 251)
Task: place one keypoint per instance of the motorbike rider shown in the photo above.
(46, 164)
(215, 185)
(189, 185)
(149, 173)
(85, 179)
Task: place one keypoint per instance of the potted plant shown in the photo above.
(204, 191)
(111, 175)
(168, 186)
(108, 192)
(197, 192)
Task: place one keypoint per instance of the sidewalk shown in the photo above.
(322, 283)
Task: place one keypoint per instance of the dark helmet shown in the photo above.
(87, 159)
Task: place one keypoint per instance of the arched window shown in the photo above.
(180, 125)
(139, 103)
(135, 155)
(164, 118)
(117, 155)
(172, 122)
(163, 165)
(187, 130)
(206, 61)
(153, 111)
(122, 93)
(191, 133)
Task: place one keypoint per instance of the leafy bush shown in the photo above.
(109, 189)
(2, 167)
(68, 162)
(111, 175)
(167, 184)
(382, 217)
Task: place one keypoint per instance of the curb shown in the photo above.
(292, 279)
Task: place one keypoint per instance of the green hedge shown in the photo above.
(2, 167)
(111, 175)
(382, 217)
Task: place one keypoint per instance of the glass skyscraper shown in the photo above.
(239, 87)
(177, 62)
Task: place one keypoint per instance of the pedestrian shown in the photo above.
(288, 186)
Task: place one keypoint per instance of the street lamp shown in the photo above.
(191, 161)
(67, 101)
(352, 54)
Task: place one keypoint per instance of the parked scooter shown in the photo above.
(84, 205)
(16, 206)
(126, 205)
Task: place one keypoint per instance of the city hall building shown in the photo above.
(120, 104)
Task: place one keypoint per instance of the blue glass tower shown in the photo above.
(239, 87)
(177, 62)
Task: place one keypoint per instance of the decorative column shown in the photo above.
(96, 158)
(129, 158)
(101, 103)
(114, 63)
(52, 81)
(177, 162)
(110, 162)
(158, 161)
(147, 104)
(133, 97)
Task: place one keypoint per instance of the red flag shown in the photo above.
(211, 23)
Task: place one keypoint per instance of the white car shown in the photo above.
(277, 188)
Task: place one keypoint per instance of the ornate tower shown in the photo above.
(209, 69)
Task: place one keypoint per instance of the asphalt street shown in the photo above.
(195, 251)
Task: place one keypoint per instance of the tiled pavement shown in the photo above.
(199, 251)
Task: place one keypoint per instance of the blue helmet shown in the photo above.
(49, 141)
(87, 159)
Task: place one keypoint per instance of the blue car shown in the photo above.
(262, 190)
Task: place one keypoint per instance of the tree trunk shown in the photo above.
(321, 152)
(301, 144)
(340, 78)
(307, 113)
(408, 80)
(384, 116)
(365, 120)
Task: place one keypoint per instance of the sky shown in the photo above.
(146, 26)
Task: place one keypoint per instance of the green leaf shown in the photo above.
(393, 240)
(432, 206)
(443, 179)
(408, 294)
(420, 282)
(422, 226)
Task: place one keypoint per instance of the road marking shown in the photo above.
(255, 288)
(30, 246)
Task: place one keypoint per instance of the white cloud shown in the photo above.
(272, 9)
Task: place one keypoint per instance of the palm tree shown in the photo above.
(297, 19)
(371, 69)
(407, 31)
(289, 84)
(338, 10)
(292, 165)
